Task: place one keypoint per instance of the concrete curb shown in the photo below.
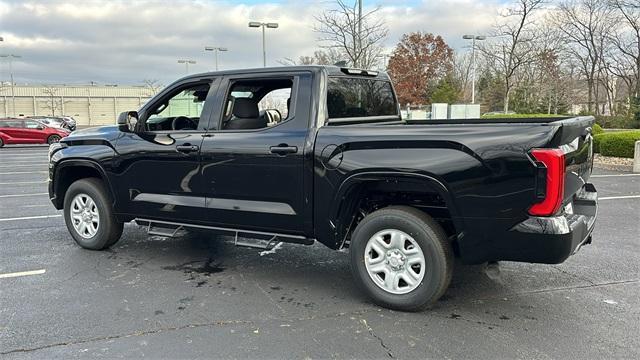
(622, 168)
(636, 158)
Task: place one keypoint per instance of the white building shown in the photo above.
(89, 105)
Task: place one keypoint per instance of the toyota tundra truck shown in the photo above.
(311, 154)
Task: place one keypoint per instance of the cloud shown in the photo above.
(126, 42)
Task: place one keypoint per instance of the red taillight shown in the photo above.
(553, 160)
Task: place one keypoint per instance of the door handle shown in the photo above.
(283, 149)
(187, 148)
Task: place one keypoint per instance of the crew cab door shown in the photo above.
(158, 165)
(253, 161)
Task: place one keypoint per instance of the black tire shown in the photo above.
(53, 139)
(109, 229)
(429, 236)
(1, 142)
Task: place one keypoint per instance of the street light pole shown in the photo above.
(10, 58)
(186, 63)
(215, 49)
(359, 35)
(256, 24)
(264, 49)
(473, 39)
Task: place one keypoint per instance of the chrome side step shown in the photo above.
(262, 244)
(172, 229)
(163, 231)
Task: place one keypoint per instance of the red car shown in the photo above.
(26, 131)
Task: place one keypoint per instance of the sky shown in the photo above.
(125, 42)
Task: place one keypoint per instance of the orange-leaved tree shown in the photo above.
(417, 64)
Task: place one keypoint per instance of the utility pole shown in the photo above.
(10, 58)
(473, 39)
(256, 24)
(215, 49)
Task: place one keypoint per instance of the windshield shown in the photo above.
(349, 97)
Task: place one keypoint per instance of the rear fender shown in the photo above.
(348, 197)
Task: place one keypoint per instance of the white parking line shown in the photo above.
(22, 151)
(613, 175)
(23, 155)
(22, 195)
(23, 273)
(619, 197)
(31, 217)
(23, 165)
(24, 172)
(23, 182)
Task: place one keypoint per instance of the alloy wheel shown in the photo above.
(85, 216)
(394, 261)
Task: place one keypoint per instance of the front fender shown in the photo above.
(76, 162)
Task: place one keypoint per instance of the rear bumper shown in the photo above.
(553, 239)
(548, 240)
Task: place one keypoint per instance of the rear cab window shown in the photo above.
(360, 99)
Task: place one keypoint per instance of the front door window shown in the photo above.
(181, 111)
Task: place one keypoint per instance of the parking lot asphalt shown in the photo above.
(199, 296)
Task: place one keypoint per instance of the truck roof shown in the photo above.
(331, 70)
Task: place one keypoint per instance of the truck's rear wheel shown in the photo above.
(89, 215)
(401, 258)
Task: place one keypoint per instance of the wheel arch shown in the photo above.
(354, 189)
(71, 170)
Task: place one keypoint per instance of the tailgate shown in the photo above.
(577, 145)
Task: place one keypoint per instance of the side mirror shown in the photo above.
(40, 127)
(127, 120)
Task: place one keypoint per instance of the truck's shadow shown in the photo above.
(202, 257)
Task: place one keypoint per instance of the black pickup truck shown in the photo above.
(321, 153)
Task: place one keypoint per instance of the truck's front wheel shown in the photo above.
(401, 258)
(89, 216)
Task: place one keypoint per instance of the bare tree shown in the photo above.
(462, 65)
(626, 59)
(320, 57)
(512, 44)
(585, 25)
(355, 35)
(329, 56)
(54, 102)
(152, 86)
(302, 60)
(550, 80)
